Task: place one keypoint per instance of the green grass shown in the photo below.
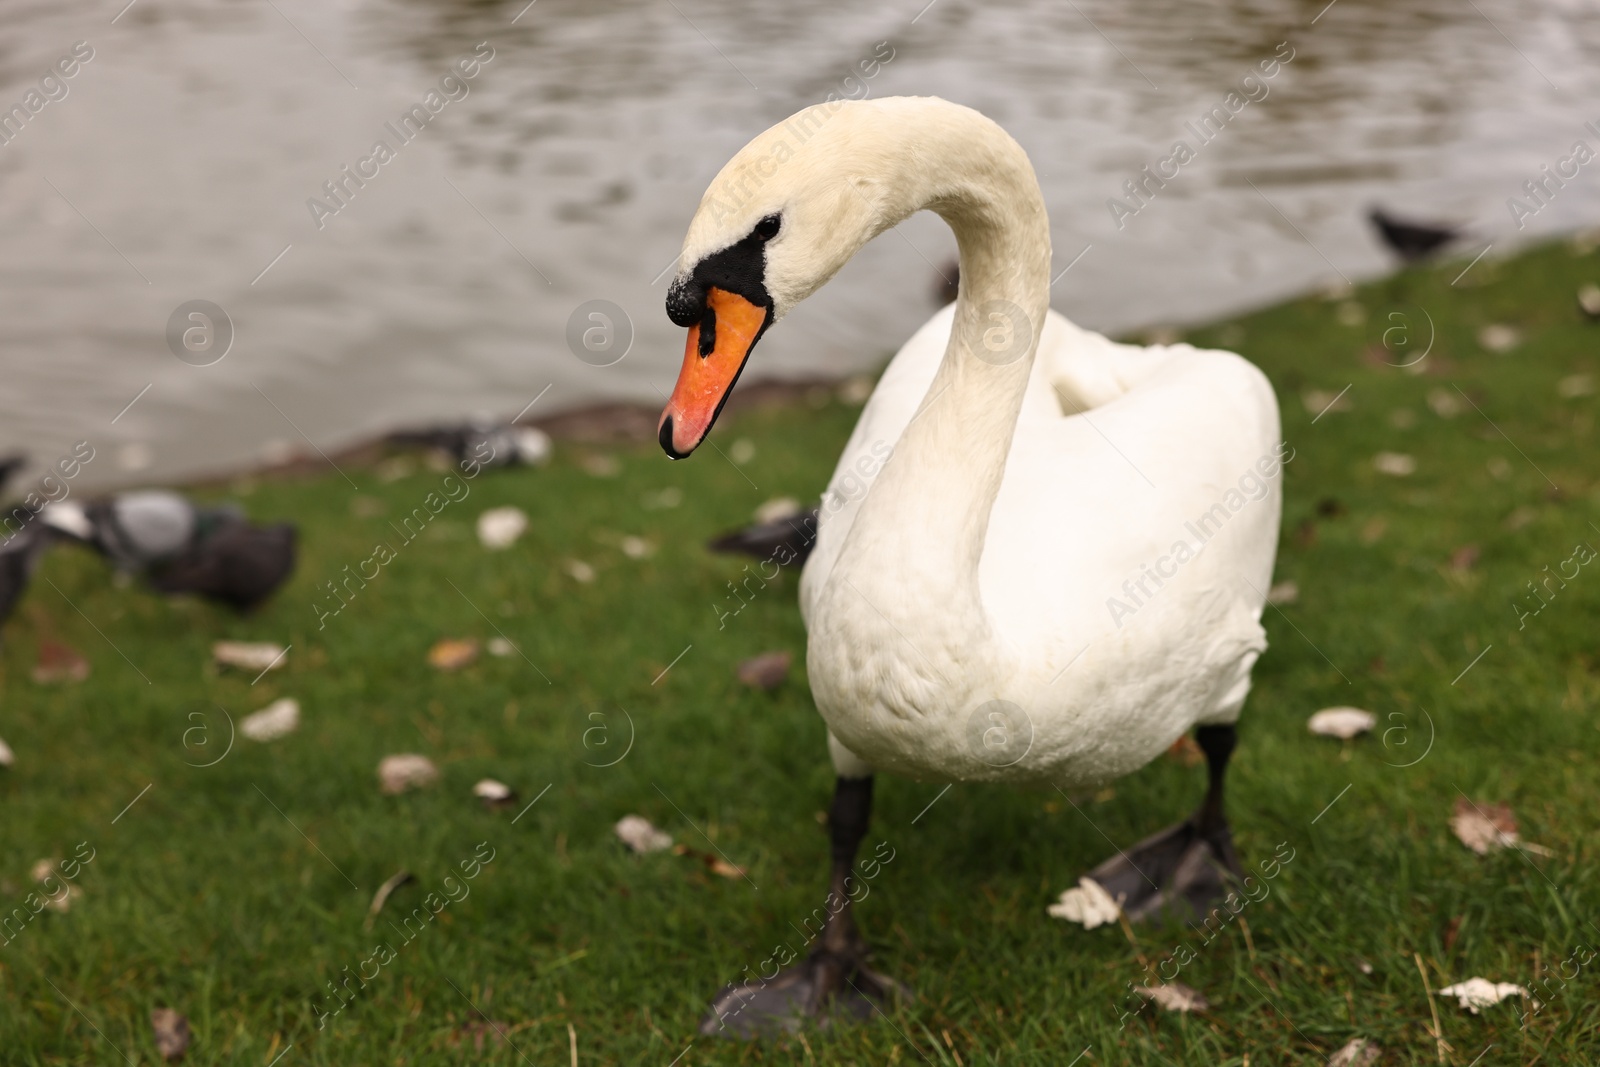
(223, 891)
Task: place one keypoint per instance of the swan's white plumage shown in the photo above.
(975, 563)
(1074, 519)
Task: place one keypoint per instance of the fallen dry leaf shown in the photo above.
(766, 671)
(1087, 904)
(1477, 993)
(1318, 401)
(278, 719)
(713, 863)
(395, 881)
(640, 835)
(580, 571)
(1521, 517)
(1446, 403)
(637, 547)
(1343, 723)
(453, 653)
(600, 466)
(1589, 300)
(669, 497)
(59, 663)
(1452, 931)
(407, 770)
(1483, 827)
(1174, 996)
(1396, 464)
(1498, 337)
(253, 656)
(500, 527)
(1575, 385)
(777, 509)
(172, 1033)
(1360, 1052)
(494, 794)
(48, 868)
(494, 1031)
(1186, 751)
(1486, 828)
(1286, 592)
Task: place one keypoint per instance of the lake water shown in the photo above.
(178, 164)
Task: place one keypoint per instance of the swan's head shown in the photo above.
(778, 221)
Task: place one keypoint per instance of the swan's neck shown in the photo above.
(916, 543)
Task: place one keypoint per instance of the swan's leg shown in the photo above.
(1184, 870)
(833, 980)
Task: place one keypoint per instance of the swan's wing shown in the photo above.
(1084, 370)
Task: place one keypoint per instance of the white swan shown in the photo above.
(1043, 556)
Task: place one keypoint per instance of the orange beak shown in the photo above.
(710, 367)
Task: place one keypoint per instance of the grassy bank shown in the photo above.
(233, 892)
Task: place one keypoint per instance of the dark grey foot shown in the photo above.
(1185, 870)
(1180, 873)
(826, 988)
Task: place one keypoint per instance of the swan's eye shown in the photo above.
(768, 227)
